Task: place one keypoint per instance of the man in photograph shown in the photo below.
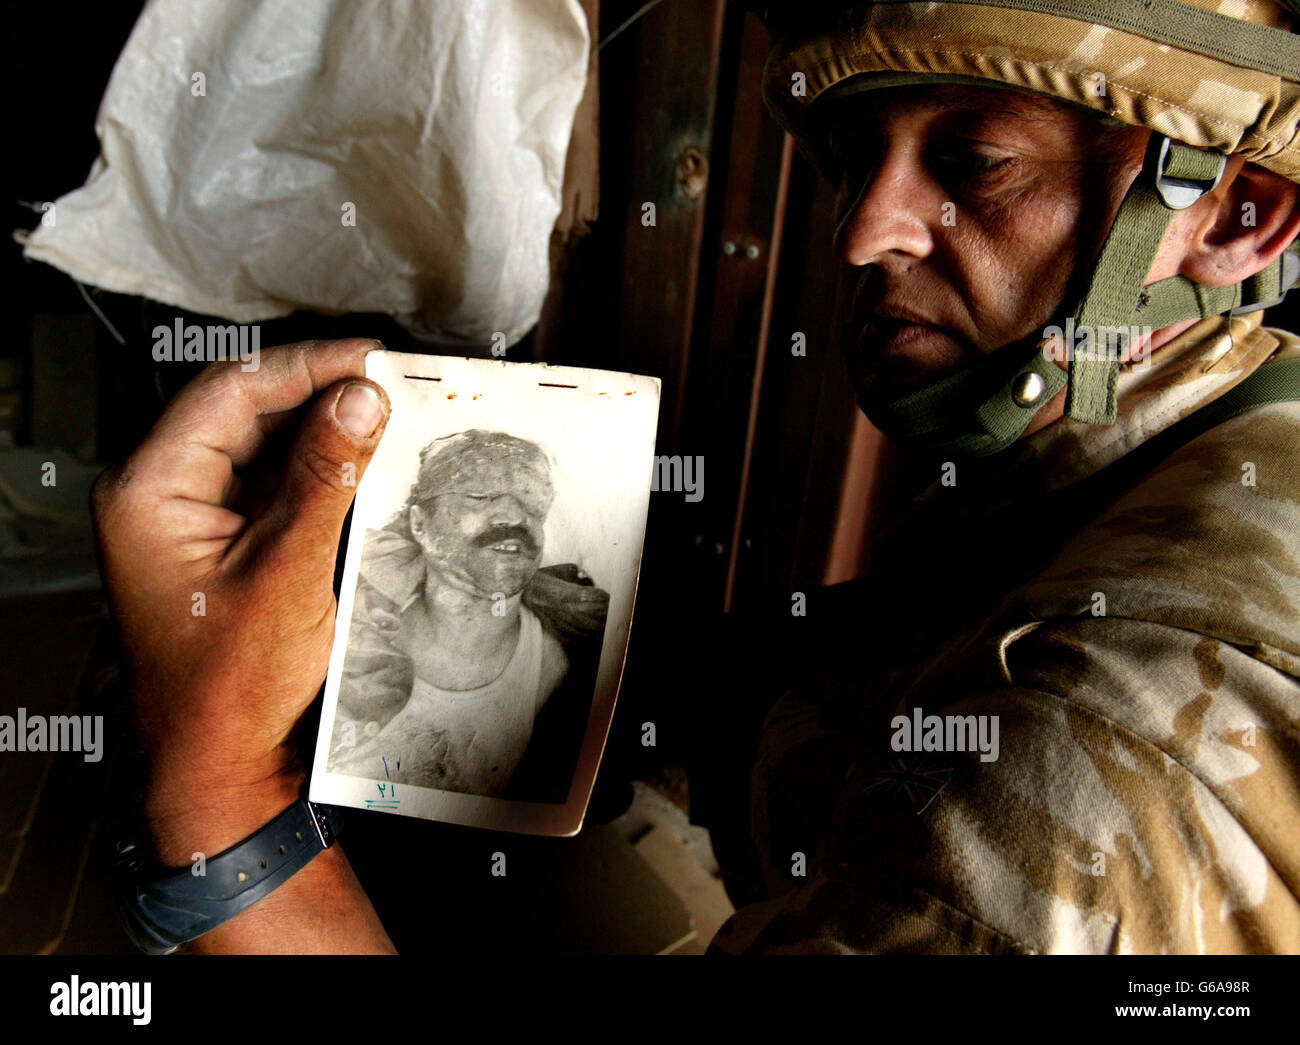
(460, 640)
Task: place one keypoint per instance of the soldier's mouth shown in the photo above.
(506, 547)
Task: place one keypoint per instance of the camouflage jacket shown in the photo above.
(1132, 619)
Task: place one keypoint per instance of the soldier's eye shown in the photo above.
(966, 165)
(849, 148)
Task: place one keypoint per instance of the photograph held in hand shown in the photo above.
(487, 592)
(456, 644)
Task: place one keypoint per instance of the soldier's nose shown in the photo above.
(889, 214)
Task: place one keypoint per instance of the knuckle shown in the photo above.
(221, 377)
(108, 490)
(325, 464)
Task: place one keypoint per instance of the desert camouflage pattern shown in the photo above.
(1198, 100)
(1146, 791)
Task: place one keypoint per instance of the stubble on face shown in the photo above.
(965, 215)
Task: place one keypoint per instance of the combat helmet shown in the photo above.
(1209, 78)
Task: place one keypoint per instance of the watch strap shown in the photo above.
(163, 908)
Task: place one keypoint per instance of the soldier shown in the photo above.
(1105, 562)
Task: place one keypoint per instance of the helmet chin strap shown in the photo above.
(985, 407)
(977, 410)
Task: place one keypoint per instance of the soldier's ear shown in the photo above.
(416, 520)
(1256, 218)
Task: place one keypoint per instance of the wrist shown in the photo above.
(234, 890)
(193, 811)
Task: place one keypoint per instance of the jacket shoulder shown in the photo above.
(1208, 540)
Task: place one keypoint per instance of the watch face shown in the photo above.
(146, 939)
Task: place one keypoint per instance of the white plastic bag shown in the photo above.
(397, 156)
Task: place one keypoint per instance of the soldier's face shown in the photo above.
(963, 213)
(486, 537)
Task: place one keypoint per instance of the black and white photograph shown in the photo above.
(491, 566)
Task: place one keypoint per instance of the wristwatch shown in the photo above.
(163, 908)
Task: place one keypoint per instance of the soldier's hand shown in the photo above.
(217, 542)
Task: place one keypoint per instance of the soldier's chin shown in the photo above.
(887, 361)
(878, 389)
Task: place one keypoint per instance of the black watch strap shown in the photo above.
(163, 908)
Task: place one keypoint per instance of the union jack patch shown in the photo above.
(916, 780)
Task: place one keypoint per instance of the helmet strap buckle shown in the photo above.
(1182, 176)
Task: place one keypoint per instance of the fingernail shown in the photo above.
(359, 410)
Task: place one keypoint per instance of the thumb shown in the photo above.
(334, 444)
